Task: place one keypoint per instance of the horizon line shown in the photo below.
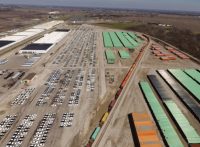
(153, 9)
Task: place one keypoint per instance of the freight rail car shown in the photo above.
(104, 118)
(93, 136)
(112, 103)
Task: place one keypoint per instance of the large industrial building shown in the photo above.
(44, 44)
(8, 42)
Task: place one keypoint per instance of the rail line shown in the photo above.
(121, 91)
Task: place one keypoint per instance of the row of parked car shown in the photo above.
(53, 78)
(67, 78)
(89, 54)
(67, 119)
(23, 96)
(40, 135)
(45, 96)
(6, 124)
(21, 131)
(58, 99)
(51, 83)
(66, 55)
(77, 87)
(91, 79)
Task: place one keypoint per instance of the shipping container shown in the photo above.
(124, 54)
(110, 56)
(183, 95)
(116, 42)
(143, 130)
(194, 145)
(135, 37)
(118, 93)
(107, 40)
(157, 85)
(160, 54)
(168, 58)
(167, 130)
(125, 79)
(124, 40)
(89, 144)
(104, 118)
(156, 52)
(194, 74)
(182, 123)
(187, 131)
(187, 82)
(131, 40)
(95, 133)
(111, 105)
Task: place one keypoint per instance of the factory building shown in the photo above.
(46, 43)
(11, 41)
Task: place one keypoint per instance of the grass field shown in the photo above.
(123, 26)
(184, 39)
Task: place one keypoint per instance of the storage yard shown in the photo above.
(89, 86)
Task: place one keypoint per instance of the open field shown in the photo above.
(17, 18)
(184, 39)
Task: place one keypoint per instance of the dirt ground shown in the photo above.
(83, 50)
(118, 130)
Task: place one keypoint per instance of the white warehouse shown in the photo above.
(11, 41)
(46, 43)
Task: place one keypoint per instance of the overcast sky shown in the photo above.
(188, 5)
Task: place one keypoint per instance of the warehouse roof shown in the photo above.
(62, 30)
(52, 37)
(25, 33)
(10, 40)
(124, 54)
(107, 40)
(34, 30)
(13, 38)
(5, 42)
(110, 55)
(48, 25)
(36, 46)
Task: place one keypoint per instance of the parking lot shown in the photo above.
(23, 96)
(6, 124)
(40, 135)
(21, 131)
(67, 119)
(65, 95)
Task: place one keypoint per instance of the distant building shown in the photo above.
(54, 12)
(46, 43)
(29, 78)
(15, 39)
(164, 25)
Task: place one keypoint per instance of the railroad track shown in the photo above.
(121, 96)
